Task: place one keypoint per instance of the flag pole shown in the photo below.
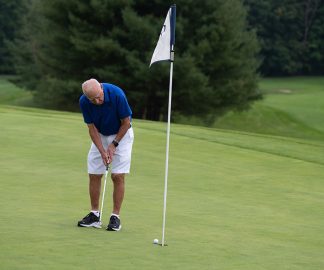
(167, 148)
(164, 50)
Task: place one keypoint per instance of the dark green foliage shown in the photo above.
(67, 42)
(291, 35)
(223, 50)
(11, 14)
(26, 47)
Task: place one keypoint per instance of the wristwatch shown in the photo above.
(116, 143)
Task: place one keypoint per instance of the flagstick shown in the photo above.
(167, 147)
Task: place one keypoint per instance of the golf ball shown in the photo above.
(156, 241)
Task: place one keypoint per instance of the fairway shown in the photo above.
(236, 200)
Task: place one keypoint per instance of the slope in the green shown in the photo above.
(301, 97)
(291, 107)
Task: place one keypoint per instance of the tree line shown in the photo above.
(221, 48)
(291, 34)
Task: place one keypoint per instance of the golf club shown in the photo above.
(103, 194)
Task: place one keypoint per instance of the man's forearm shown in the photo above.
(95, 137)
(125, 125)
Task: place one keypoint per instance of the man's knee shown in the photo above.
(95, 176)
(118, 177)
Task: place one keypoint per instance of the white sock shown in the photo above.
(112, 214)
(97, 213)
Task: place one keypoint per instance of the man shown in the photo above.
(106, 112)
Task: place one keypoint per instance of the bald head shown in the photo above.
(91, 87)
(93, 91)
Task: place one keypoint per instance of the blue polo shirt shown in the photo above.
(106, 117)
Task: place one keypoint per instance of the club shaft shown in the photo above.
(103, 194)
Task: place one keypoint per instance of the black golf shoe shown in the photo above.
(114, 224)
(90, 220)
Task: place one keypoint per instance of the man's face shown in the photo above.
(96, 96)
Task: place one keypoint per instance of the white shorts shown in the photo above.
(121, 160)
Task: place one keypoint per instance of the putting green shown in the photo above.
(236, 200)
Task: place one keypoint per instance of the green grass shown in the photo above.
(13, 95)
(303, 99)
(291, 107)
(236, 200)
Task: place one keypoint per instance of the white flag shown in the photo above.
(167, 37)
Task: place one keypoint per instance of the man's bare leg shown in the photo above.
(94, 190)
(119, 190)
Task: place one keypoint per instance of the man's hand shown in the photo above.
(111, 152)
(125, 125)
(105, 158)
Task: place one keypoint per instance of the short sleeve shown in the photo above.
(85, 111)
(123, 107)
